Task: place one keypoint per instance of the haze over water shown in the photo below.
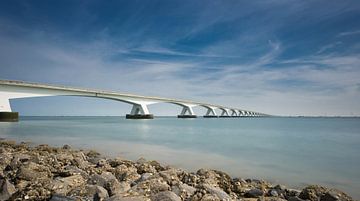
(291, 151)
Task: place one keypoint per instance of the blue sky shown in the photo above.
(277, 56)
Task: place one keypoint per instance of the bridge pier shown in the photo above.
(6, 115)
(210, 113)
(225, 112)
(9, 116)
(233, 113)
(187, 112)
(139, 111)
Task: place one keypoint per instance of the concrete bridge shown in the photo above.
(17, 89)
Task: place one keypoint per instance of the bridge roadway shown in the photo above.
(10, 89)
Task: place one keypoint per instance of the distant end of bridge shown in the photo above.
(11, 89)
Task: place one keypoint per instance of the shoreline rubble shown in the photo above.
(50, 173)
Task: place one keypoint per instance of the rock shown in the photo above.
(123, 187)
(294, 198)
(130, 198)
(335, 195)
(64, 158)
(101, 194)
(127, 173)
(165, 196)
(64, 185)
(109, 182)
(6, 189)
(216, 178)
(32, 171)
(62, 198)
(80, 160)
(291, 193)
(145, 176)
(312, 192)
(93, 191)
(66, 147)
(190, 179)
(270, 199)
(254, 193)
(216, 191)
(273, 193)
(102, 163)
(171, 175)
(157, 166)
(151, 186)
(209, 197)
(145, 168)
(183, 190)
(73, 170)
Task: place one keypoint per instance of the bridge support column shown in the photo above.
(233, 113)
(139, 111)
(242, 113)
(225, 112)
(187, 112)
(211, 113)
(6, 115)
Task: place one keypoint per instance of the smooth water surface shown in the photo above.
(291, 151)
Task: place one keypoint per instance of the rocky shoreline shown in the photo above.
(50, 173)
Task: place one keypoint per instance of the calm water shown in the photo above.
(292, 151)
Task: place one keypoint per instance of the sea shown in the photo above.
(293, 151)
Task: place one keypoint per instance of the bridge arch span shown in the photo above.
(17, 89)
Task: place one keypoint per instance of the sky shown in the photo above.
(280, 57)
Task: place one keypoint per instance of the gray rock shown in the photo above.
(151, 186)
(145, 176)
(274, 193)
(102, 163)
(32, 171)
(96, 192)
(183, 190)
(109, 182)
(122, 198)
(6, 189)
(171, 175)
(80, 160)
(335, 195)
(101, 194)
(127, 173)
(62, 186)
(294, 198)
(216, 191)
(62, 198)
(145, 167)
(165, 196)
(254, 193)
(216, 178)
(312, 192)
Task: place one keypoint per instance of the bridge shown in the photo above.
(10, 89)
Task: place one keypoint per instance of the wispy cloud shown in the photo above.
(348, 33)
